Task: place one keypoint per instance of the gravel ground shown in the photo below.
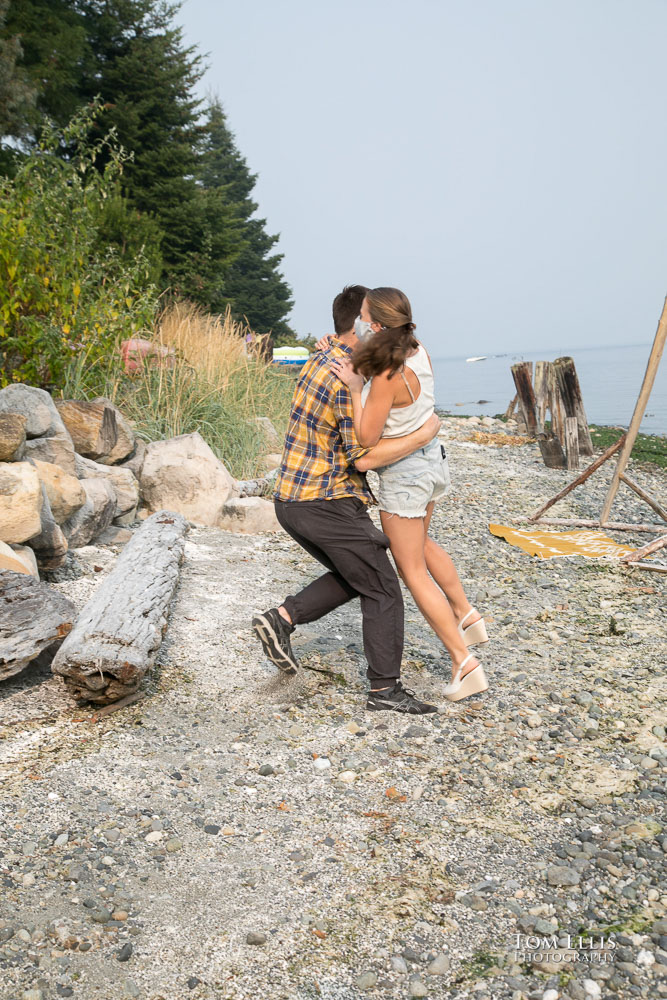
(240, 835)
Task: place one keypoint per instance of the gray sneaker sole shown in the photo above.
(392, 706)
(268, 637)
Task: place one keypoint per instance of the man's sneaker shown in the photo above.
(398, 699)
(273, 632)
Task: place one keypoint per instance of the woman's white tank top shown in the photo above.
(403, 420)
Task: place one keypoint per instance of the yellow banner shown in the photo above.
(547, 544)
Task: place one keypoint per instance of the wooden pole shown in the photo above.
(646, 550)
(580, 479)
(556, 406)
(573, 522)
(637, 416)
(640, 493)
(522, 375)
(572, 442)
(552, 450)
(541, 392)
(568, 383)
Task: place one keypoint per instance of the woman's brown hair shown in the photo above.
(388, 349)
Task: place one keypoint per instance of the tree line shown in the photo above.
(183, 194)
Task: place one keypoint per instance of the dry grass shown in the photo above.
(211, 385)
(498, 440)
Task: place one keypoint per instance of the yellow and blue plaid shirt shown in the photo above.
(321, 446)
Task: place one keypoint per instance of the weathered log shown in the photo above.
(572, 442)
(646, 550)
(570, 391)
(580, 479)
(636, 488)
(522, 375)
(251, 487)
(32, 618)
(118, 634)
(553, 455)
(511, 406)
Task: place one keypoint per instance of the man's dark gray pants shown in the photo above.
(340, 535)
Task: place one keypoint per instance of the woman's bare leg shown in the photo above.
(406, 537)
(443, 571)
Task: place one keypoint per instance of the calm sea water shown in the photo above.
(610, 380)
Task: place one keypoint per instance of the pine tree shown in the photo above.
(17, 97)
(252, 284)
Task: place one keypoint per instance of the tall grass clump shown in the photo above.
(208, 384)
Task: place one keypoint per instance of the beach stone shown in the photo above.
(135, 461)
(91, 426)
(399, 964)
(125, 952)
(20, 501)
(123, 481)
(592, 989)
(366, 981)
(439, 966)
(248, 516)
(183, 475)
(416, 988)
(95, 515)
(12, 436)
(560, 875)
(65, 493)
(255, 937)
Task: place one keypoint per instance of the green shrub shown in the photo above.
(63, 292)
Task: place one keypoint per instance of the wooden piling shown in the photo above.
(570, 391)
(522, 374)
(572, 442)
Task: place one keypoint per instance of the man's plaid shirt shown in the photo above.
(321, 446)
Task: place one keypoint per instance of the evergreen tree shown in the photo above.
(252, 284)
(53, 54)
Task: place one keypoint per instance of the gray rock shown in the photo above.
(560, 875)
(439, 966)
(366, 981)
(255, 937)
(96, 514)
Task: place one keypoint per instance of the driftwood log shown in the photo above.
(32, 618)
(118, 634)
(253, 487)
(553, 455)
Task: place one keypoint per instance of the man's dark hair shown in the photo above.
(346, 307)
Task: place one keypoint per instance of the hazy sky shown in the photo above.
(504, 162)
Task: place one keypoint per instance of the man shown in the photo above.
(321, 496)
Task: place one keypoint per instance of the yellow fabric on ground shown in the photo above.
(547, 544)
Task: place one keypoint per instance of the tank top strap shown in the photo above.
(407, 385)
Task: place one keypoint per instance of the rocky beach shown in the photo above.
(237, 834)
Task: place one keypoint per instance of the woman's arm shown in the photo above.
(390, 450)
(369, 419)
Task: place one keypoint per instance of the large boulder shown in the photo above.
(36, 406)
(12, 436)
(56, 449)
(248, 516)
(20, 501)
(123, 481)
(91, 425)
(183, 475)
(125, 439)
(135, 461)
(33, 619)
(49, 544)
(65, 493)
(96, 514)
(18, 559)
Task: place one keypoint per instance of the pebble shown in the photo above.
(124, 954)
(559, 875)
(173, 845)
(255, 937)
(367, 980)
(417, 988)
(321, 763)
(439, 966)
(592, 989)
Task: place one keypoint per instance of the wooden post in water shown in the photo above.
(541, 384)
(522, 375)
(568, 383)
(640, 407)
(556, 405)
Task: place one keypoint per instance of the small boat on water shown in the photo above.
(483, 357)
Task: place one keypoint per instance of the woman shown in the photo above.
(397, 398)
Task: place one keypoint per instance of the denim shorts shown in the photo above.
(409, 485)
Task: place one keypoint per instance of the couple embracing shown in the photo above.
(365, 400)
